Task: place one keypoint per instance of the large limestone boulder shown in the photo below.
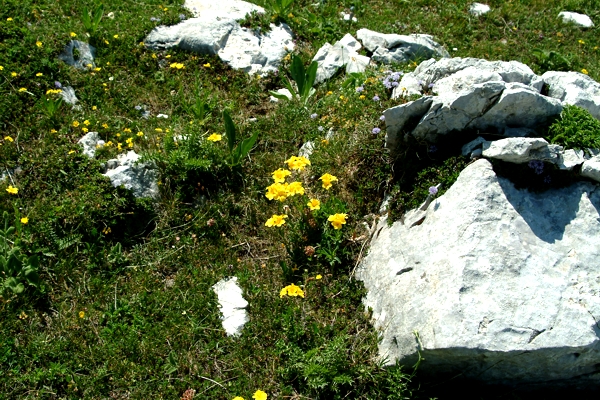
(574, 88)
(393, 48)
(495, 283)
(344, 52)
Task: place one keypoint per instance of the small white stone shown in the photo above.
(478, 9)
(578, 19)
(232, 305)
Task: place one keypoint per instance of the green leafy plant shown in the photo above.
(50, 106)
(16, 269)
(576, 129)
(236, 153)
(280, 8)
(304, 80)
(551, 60)
(91, 23)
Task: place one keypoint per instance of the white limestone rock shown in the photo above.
(241, 48)
(140, 178)
(89, 143)
(570, 158)
(232, 305)
(574, 88)
(478, 9)
(500, 284)
(393, 48)
(343, 53)
(284, 92)
(307, 149)
(577, 19)
(473, 145)
(514, 150)
(68, 95)
(84, 55)
(398, 120)
(591, 168)
(229, 9)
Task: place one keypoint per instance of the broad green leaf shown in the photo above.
(229, 130)
(31, 276)
(15, 286)
(311, 75)
(298, 74)
(247, 144)
(278, 95)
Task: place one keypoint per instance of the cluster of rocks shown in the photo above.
(568, 17)
(493, 283)
(215, 30)
(475, 95)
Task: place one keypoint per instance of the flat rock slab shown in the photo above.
(232, 305)
(79, 55)
(241, 48)
(500, 284)
(574, 88)
(577, 19)
(343, 53)
(392, 48)
(140, 178)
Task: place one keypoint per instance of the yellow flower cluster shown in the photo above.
(337, 220)
(291, 290)
(276, 220)
(12, 190)
(280, 174)
(53, 91)
(215, 137)
(281, 191)
(327, 179)
(177, 66)
(297, 163)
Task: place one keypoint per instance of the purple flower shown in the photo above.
(432, 149)
(375, 98)
(430, 85)
(181, 17)
(537, 166)
(382, 118)
(376, 131)
(421, 83)
(359, 89)
(387, 84)
(433, 190)
(57, 84)
(313, 116)
(394, 84)
(547, 179)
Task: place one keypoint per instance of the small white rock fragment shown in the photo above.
(478, 9)
(578, 19)
(89, 143)
(232, 305)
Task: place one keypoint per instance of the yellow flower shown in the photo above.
(75, 124)
(116, 36)
(106, 41)
(38, 43)
(127, 130)
(207, 65)
(342, 97)
(325, 142)
(8, 139)
(214, 137)
(238, 398)
(81, 314)
(24, 220)
(327, 179)
(12, 190)
(105, 125)
(291, 290)
(13, 74)
(276, 220)
(84, 130)
(9, 19)
(94, 108)
(158, 130)
(71, 152)
(154, 56)
(118, 135)
(177, 65)
(580, 41)
(277, 191)
(297, 163)
(86, 122)
(97, 69)
(337, 220)
(1, 68)
(280, 174)
(140, 134)
(314, 204)
(329, 93)
(295, 188)
(53, 91)
(22, 89)
(73, 34)
(584, 71)
(318, 277)
(53, 131)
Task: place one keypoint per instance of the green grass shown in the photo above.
(127, 309)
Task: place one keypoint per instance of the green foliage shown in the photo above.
(91, 23)
(551, 60)
(239, 152)
(304, 80)
(280, 8)
(16, 269)
(576, 129)
(51, 106)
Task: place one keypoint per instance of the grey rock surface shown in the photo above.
(140, 178)
(232, 305)
(230, 9)
(478, 9)
(84, 57)
(241, 48)
(500, 284)
(570, 158)
(343, 53)
(577, 19)
(89, 142)
(591, 168)
(515, 150)
(392, 48)
(574, 88)
(68, 95)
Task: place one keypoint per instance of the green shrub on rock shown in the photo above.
(576, 129)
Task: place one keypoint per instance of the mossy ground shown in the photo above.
(127, 309)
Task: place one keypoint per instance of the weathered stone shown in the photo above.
(570, 158)
(84, 55)
(89, 143)
(574, 88)
(307, 149)
(232, 306)
(576, 19)
(393, 48)
(229, 9)
(343, 53)
(499, 284)
(478, 9)
(520, 150)
(140, 178)
(241, 48)
(68, 95)
(397, 118)
(591, 168)
(473, 145)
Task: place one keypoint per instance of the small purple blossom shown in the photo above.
(547, 179)
(181, 17)
(382, 118)
(432, 149)
(433, 190)
(375, 98)
(375, 131)
(537, 166)
(57, 84)
(430, 86)
(421, 83)
(395, 84)
(359, 89)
